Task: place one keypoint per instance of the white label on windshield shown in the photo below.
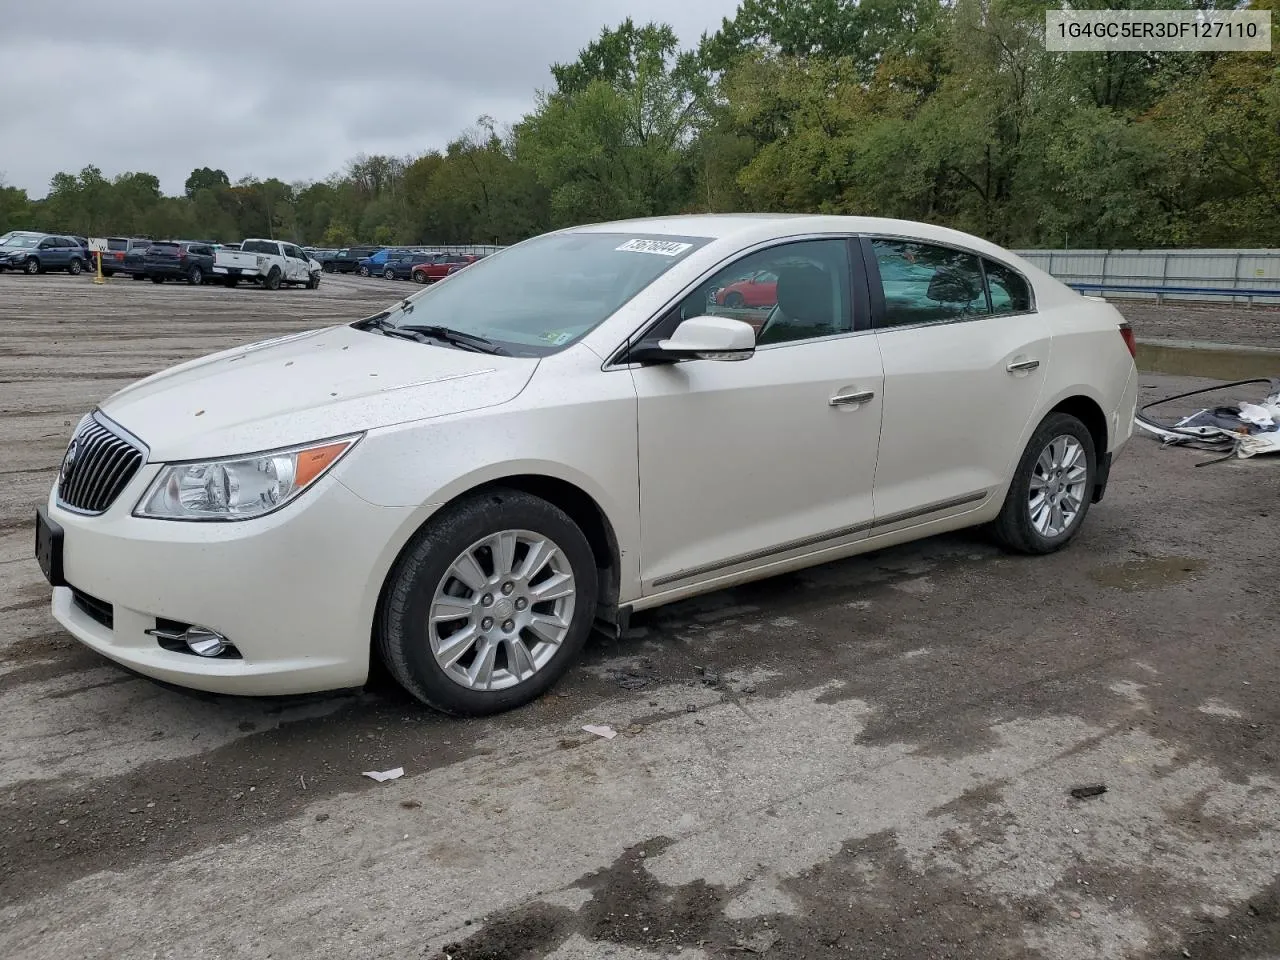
(663, 248)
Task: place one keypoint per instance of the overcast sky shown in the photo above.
(284, 88)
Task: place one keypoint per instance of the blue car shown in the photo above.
(38, 252)
(374, 265)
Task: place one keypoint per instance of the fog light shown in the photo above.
(188, 638)
(204, 643)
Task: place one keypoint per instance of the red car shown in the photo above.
(758, 290)
(438, 268)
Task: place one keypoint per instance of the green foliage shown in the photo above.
(948, 111)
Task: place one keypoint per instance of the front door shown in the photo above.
(965, 356)
(746, 462)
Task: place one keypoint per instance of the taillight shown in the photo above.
(1126, 332)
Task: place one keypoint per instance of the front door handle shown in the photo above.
(848, 399)
(1023, 366)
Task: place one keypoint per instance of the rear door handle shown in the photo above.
(849, 399)
(1022, 365)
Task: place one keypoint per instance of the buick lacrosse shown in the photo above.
(579, 427)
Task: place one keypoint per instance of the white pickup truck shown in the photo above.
(270, 263)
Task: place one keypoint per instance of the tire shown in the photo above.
(1016, 527)
(313, 282)
(75, 267)
(327, 268)
(231, 280)
(734, 300)
(31, 267)
(424, 572)
(272, 281)
(388, 274)
(363, 271)
(157, 279)
(419, 276)
(195, 276)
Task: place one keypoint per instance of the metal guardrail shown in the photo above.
(1244, 275)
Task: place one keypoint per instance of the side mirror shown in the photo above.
(701, 338)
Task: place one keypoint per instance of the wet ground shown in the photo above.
(873, 758)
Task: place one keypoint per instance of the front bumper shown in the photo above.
(294, 591)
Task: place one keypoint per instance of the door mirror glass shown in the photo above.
(701, 338)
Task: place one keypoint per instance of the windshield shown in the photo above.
(20, 240)
(542, 295)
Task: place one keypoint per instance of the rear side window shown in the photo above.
(923, 283)
(1010, 292)
(259, 246)
(201, 251)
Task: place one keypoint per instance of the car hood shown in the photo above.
(308, 386)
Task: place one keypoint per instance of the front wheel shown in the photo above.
(74, 267)
(420, 276)
(489, 605)
(157, 279)
(31, 267)
(1052, 488)
(364, 271)
(734, 300)
(388, 274)
(313, 281)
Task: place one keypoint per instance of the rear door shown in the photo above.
(965, 355)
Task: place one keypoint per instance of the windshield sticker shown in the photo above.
(663, 248)
(557, 337)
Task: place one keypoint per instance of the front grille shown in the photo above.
(94, 608)
(99, 463)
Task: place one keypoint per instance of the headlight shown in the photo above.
(239, 488)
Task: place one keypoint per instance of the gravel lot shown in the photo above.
(869, 759)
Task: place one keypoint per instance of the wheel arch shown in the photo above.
(581, 507)
(1089, 412)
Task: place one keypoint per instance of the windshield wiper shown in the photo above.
(456, 338)
(426, 332)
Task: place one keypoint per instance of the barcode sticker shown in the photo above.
(663, 248)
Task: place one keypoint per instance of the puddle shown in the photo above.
(1148, 573)
(1216, 361)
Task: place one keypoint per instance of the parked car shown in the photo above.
(125, 255)
(347, 260)
(179, 259)
(438, 268)
(320, 255)
(271, 263)
(373, 264)
(401, 267)
(460, 479)
(760, 289)
(31, 252)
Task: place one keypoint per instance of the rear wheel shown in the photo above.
(139, 276)
(31, 267)
(195, 276)
(489, 605)
(108, 273)
(327, 268)
(231, 280)
(75, 267)
(1052, 488)
(734, 299)
(157, 279)
(272, 282)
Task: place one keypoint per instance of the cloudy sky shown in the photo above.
(285, 88)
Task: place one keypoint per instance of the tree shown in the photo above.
(204, 178)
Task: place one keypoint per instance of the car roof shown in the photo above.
(752, 227)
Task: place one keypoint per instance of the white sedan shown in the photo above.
(566, 433)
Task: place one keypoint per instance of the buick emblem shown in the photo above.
(69, 461)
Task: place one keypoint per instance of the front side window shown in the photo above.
(544, 294)
(794, 291)
(923, 283)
